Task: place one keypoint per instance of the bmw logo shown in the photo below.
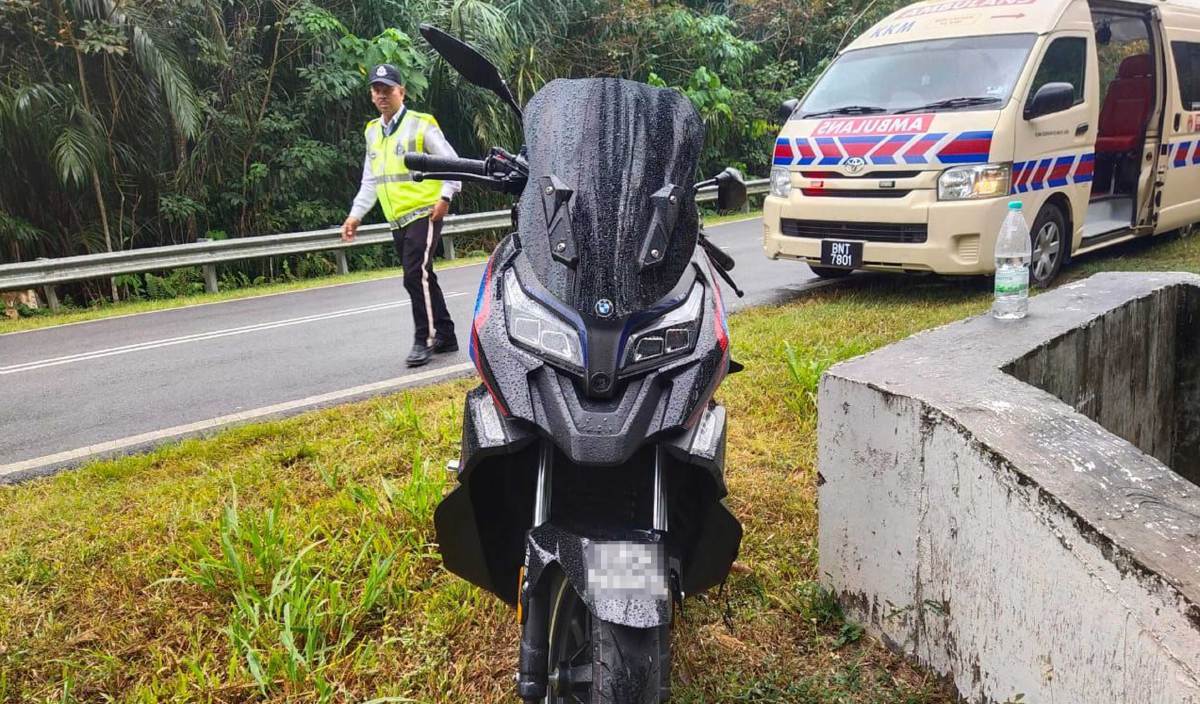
(855, 164)
(604, 308)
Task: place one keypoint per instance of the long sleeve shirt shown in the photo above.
(435, 143)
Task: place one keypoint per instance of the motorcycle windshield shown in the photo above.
(614, 144)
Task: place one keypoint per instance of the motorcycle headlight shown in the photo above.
(972, 182)
(781, 181)
(671, 334)
(537, 328)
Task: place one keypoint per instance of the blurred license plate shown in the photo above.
(845, 255)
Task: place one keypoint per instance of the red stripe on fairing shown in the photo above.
(783, 150)
(1060, 171)
(722, 342)
(1086, 167)
(806, 151)
(492, 392)
(485, 308)
(966, 146)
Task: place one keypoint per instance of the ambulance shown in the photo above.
(904, 154)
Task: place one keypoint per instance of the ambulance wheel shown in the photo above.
(828, 272)
(1050, 245)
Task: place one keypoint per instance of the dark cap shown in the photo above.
(386, 74)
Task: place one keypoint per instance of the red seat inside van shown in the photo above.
(1127, 105)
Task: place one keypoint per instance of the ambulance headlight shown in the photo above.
(781, 181)
(973, 182)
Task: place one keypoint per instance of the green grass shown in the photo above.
(714, 220)
(109, 310)
(294, 560)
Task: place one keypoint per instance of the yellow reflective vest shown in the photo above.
(403, 199)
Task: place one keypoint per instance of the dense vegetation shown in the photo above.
(134, 123)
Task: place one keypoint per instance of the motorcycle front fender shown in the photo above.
(625, 579)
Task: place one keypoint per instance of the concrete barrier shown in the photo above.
(1015, 505)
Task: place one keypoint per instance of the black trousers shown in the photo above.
(416, 243)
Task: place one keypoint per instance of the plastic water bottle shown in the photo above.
(1013, 252)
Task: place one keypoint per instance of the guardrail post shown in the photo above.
(210, 277)
(448, 241)
(343, 266)
(51, 297)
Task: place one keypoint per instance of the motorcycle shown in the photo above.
(590, 481)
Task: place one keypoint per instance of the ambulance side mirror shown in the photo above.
(787, 108)
(1050, 98)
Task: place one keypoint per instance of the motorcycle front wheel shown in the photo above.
(594, 662)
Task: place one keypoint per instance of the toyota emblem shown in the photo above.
(855, 164)
(604, 308)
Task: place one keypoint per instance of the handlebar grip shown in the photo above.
(427, 162)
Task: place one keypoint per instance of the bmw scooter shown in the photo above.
(590, 482)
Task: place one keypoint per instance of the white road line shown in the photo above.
(199, 337)
(111, 446)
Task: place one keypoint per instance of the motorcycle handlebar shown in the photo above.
(428, 162)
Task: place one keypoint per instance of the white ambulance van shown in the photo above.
(906, 151)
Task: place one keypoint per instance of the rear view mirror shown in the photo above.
(1050, 98)
(469, 63)
(787, 108)
(731, 189)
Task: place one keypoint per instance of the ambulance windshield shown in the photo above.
(931, 76)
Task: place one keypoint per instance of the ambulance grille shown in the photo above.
(852, 193)
(903, 233)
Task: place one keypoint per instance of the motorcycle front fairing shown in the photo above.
(482, 524)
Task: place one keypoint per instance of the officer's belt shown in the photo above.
(410, 217)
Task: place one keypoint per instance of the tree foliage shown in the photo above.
(130, 123)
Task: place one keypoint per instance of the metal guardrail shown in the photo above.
(48, 273)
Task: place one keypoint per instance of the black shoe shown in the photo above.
(442, 345)
(421, 354)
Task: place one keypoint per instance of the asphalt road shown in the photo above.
(106, 387)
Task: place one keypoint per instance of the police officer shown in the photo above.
(414, 209)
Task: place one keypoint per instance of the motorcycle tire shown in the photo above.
(594, 662)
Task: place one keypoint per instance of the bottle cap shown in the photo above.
(1014, 205)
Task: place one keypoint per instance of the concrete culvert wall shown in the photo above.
(1134, 370)
(1006, 503)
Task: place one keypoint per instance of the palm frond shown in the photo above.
(75, 153)
(15, 229)
(170, 78)
(90, 9)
